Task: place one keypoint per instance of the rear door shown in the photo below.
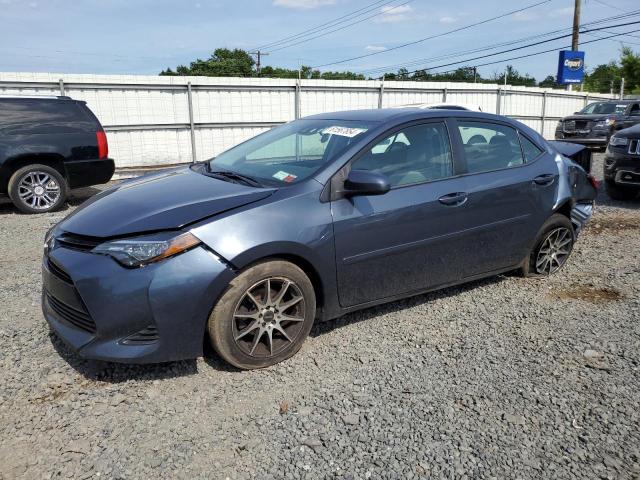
(510, 185)
(409, 238)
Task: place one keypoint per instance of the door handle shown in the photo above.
(546, 179)
(453, 199)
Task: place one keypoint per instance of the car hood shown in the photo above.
(599, 116)
(163, 201)
(631, 132)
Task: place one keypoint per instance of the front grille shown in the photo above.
(582, 124)
(77, 242)
(143, 337)
(634, 147)
(58, 272)
(77, 318)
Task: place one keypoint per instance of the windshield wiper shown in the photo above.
(226, 174)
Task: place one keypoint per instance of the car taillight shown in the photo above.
(103, 146)
(594, 182)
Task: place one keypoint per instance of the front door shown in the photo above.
(407, 239)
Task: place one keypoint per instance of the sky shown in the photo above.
(146, 36)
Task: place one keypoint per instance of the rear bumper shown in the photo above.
(153, 314)
(84, 173)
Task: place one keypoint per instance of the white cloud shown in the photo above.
(390, 14)
(375, 48)
(303, 4)
(525, 17)
(447, 19)
(561, 12)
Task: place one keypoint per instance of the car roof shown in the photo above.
(35, 97)
(401, 114)
(617, 102)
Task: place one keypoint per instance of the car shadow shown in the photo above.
(76, 197)
(111, 372)
(322, 328)
(606, 200)
(118, 372)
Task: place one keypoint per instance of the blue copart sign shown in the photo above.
(570, 67)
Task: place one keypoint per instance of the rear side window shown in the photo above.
(490, 146)
(416, 154)
(18, 117)
(530, 149)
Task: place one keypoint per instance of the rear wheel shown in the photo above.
(264, 316)
(620, 192)
(37, 189)
(552, 248)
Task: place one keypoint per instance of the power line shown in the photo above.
(390, 9)
(609, 5)
(516, 58)
(436, 35)
(330, 23)
(498, 45)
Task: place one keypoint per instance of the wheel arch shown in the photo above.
(13, 164)
(299, 260)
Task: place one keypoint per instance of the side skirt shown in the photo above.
(332, 315)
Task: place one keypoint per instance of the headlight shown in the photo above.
(606, 122)
(49, 241)
(618, 141)
(140, 251)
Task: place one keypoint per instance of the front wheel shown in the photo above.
(264, 316)
(552, 248)
(37, 189)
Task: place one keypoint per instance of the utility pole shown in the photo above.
(475, 72)
(622, 88)
(259, 56)
(576, 29)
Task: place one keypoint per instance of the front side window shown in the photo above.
(416, 154)
(291, 152)
(490, 146)
(604, 108)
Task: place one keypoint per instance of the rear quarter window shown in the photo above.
(530, 150)
(32, 117)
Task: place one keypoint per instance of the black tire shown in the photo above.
(234, 337)
(555, 223)
(28, 199)
(620, 192)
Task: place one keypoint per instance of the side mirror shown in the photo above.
(366, 182)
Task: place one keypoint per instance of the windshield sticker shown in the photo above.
(284, 176)
(343, 131)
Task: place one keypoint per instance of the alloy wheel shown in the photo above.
(269, 317)
(39, 190)
(554, 251)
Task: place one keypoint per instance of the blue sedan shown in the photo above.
(307, 222)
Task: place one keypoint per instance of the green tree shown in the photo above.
(222, 63)
(630, 70)
(548, 82)
(602, 78)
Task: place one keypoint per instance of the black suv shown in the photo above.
(595, 123)
(622, 164)
(49, 145)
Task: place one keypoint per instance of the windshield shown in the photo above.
(603, 107)
(291, 152)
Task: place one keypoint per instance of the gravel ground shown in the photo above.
(502, 378)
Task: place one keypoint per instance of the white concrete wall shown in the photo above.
(147, 117)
